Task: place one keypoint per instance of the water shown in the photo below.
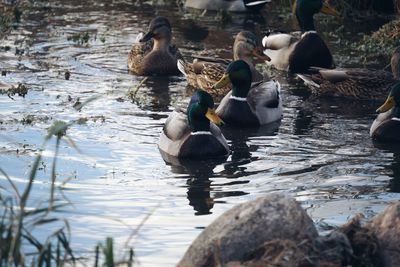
(320, 153)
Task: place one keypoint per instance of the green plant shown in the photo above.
(18, 219)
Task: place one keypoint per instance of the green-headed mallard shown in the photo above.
(155, 54)
(190, 134)
(229, 5)
(248, 105)
(354, 82)
(386, 127)
(297, 51)
(202, 74)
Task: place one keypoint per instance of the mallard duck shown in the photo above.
(248, 105)
(297, 51)
(202, 74)
(386, 127)
(229, 5)
(354, 82)
(155, 54)
(190, 134)
(297, 55)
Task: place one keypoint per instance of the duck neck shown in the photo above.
(200, 125)
(197, 120)
(162, 44)
(306, 23)
(396, 112)
(241, 89)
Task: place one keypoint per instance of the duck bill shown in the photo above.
(222, 82)
(329, 10)
(213, 117)
(258, 54)
(147, 37)
(387, 105)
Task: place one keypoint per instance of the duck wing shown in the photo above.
(355, 83)
(174, 134)
(265, 101)
(203, 75)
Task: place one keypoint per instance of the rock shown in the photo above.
(334, 249)
(364, 243)
(386, 227)
(275, 223)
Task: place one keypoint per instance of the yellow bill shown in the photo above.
(213, 117)
(222, 82)
(329, 10)
(257, 52)
(390, 102)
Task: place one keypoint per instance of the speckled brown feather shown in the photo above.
(360, 84)
(143, 60)
(204, 75)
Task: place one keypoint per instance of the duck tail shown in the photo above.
(308, 80)
(181, 66)
(256, 2)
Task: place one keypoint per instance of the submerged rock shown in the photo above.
(269, 229)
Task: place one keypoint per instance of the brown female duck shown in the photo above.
(155, 54)
(202, 74)
(355, 82)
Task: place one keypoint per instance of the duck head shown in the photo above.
(201, 111)
(306, 9)
(159, 29)
(239, 74)
(246, 46)
(393, 99)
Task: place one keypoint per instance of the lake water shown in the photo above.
(320, 153)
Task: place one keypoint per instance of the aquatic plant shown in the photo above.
(19, 220)
(383, 41)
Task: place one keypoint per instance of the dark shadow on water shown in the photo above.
(394, 184)
(154, 95)
(199, 184)
(241, 150)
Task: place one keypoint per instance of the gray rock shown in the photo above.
(386, 227)
(242, 230)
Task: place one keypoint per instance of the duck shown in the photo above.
(297, 51)
(203, 74)
(248, 105)
(194, 134)
(154, 53)
(386, 127)
(355, 83)
(228, 5)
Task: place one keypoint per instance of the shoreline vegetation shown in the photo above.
(17, 218)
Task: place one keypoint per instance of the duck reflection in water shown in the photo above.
(156, 95)
(394, 167)
(198, 183)
(241, 150)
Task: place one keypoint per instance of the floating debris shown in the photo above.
(20, 90)
(80, 38)
(67, 75)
